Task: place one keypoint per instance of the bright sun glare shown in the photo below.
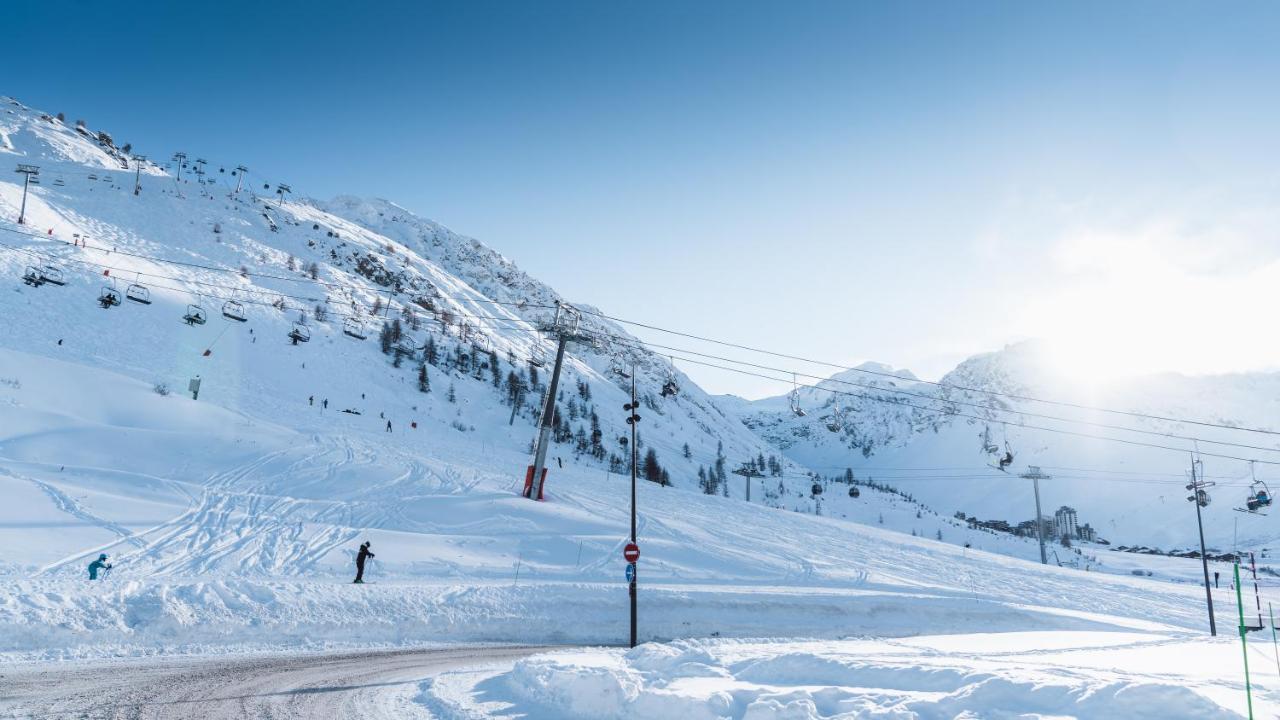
(1130, 310)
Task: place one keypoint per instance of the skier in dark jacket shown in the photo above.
(98, 565)
(360, 558)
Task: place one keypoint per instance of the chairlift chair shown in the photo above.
(1004, 461)
(300, 333)
(354, 328)
(58, 182)
(109, 298)
(794, 397)
(52, 275)
(31, 276)
(617, 368)
(139, 294)
(406, 347)
(93, 176)
(988, 446)
(836, 423)
(854, 492)
(537, 358)
(195, 315)
(1259, 494)
(233, 310)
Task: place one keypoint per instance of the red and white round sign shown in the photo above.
(631, 552)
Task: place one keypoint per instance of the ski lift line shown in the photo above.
(942, 413)
(876, 399)
(768, 352)
(793, 400)
(232, 288)
(1012, 396)
(236, 271)
(882, 469)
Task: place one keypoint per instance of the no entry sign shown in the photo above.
(631, 552)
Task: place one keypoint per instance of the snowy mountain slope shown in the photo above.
(1130, 493)
(417, 270)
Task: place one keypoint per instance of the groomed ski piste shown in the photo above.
(231, 520)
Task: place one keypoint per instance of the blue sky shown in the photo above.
(904, 182)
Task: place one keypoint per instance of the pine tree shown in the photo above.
(452, 396)
(424, 383)
(384, 339)
(431, 354)
(703, 482)
(939, 535)
(687, 453)
(494, 370)
(650, 469)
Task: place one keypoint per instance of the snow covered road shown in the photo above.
(370, 684)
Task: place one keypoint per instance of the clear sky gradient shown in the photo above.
(900, 181)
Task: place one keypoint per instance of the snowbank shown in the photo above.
(1061, 675)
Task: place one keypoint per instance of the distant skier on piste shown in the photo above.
(99, 565)
(361, 556)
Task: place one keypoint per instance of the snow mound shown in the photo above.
(1021, 675)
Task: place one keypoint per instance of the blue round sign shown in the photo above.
(631, 572)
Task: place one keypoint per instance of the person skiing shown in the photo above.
(98, 565)
(361, 556)
(388, 426)
(311, 399)
(324, 404)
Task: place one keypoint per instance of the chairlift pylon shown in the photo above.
(233, 310)
(195, 315)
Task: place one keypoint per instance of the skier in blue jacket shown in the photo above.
(98, 565)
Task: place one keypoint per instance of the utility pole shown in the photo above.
(281, 189)
(565, 328)
(137, 173)
(633, 419)
(1200, 496)
(240, 171)
(1035, 476)
(27, 170)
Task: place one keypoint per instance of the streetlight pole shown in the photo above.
(633, 419)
